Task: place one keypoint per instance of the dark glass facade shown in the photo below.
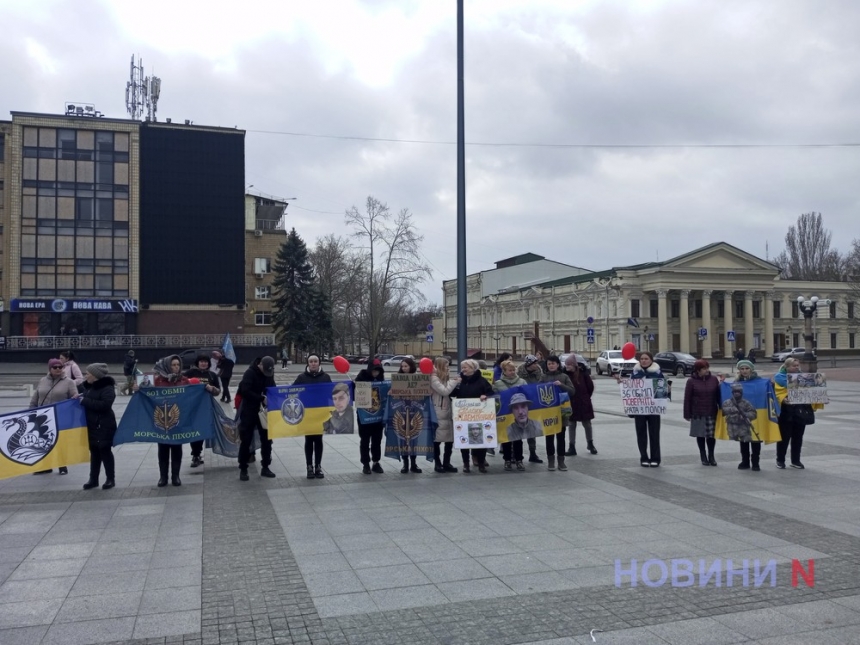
(192, 210)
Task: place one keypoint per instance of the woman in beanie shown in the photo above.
(168, 372)
(98, 392)
(701, 403)
(313, 442)
(53, 388)
(746, 372)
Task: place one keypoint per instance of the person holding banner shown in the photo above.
(313, 442)
(97, 394)
(53, 388)
(701, 403)
(202, 372)
(252, 389)
(370, 432)
(555, 442)
(512, 451)
(532, 372)
(793, 418)
(168, 372)
(410, 462)
(580, 403)
(746, 372)
(647, 425)
(472, 386)
(443, 385)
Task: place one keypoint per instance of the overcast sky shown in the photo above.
(657, 73)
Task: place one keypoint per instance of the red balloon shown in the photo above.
(341, 364)
(425, 365)
(194, 381)
(628, 351)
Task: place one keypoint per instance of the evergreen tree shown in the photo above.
(295, 295)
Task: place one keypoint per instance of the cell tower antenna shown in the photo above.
(142, 92)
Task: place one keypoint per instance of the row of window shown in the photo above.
(69, 139)
(75, 155)
(675, 309)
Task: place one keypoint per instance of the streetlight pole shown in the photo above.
(462, 287)
(808, 307)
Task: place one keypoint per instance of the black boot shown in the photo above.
(311, 474)
(533, 458)
(162, 479)
(745, 456)
(265, 472)
(405, 469)
(92, 483)
(572, 451)
(108, 484)
(591, 448)
(318, 473)
(438, 466)
(414, 465)
(702, 453)
(243, 475)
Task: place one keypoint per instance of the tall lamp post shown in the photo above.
(808, 307)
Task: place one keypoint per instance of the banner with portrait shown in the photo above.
(474, 423)
(809, 388)
(314, 408)
(528, 411)
(644, 396)
(749, 411)
(410, 427)
(175, 415)
(374, 400)
(46, 437)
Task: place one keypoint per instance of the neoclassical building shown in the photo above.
(691, 303)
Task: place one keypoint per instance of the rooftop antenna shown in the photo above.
(141, 92)
(766, 251)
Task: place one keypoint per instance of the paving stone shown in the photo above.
(168, 624)
(40, 589)
(91, 631)
(29, 613)
(114, 605)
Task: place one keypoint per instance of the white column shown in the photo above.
(685, 321)
(767, 344)
(662, 321)
(728, 303)
(707, 323)
(749, 323)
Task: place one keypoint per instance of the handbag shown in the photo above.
(804, 414)
(264, 418)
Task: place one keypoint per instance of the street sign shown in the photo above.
(590, 332)
(430, 337)
(429, 326)
(590, 340)
(589, 320)
(650, 337)
(703, 332)
(730, 336)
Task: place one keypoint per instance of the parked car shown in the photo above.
(395, 360)
(384, 357)
(189, 356)
(677, 363)
(794, 352)
(362, 360)
(584, 365)
(611, 362)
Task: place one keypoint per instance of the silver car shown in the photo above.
(794, 352)
(611, 362)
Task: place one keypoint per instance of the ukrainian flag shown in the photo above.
(760, 393)
(296, 410)
(545, 408)
(43, 438)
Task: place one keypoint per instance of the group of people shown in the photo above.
(96, 390)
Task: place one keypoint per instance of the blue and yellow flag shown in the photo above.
(175, 415)
(528, 411)
(410, 427)
(749, 412)
(315, 408)
(47, 437)
(376, 413)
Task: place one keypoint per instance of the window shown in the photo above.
(264, 318)
(634, 308)
(2, 147)
(262, 265)
(654, 309)
(777, 309)
(721, 308)
(675, 309)
(263, 293)
(851, 341)
(833, 309)
(850, 309)
(756, 308)
(795, 311)
(832, 340)
(697, 307)
(739, 308)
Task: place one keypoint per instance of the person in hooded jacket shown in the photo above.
(532, 372)
(168, 373)
(97, 394)
(370, 434)
(53, 388)
(556, 443)
(313, 442)
(472, 386)
(252, 392)
(582, 410)
(647, 425)
(701, 404)
(512, 451)
(442, 385)
(202, 372)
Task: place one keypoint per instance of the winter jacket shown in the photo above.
(367, 375)
(472, 387)
(441, 398)
(128, 365)
(701, 396)
(561, 377)
(72, 371)
(580, 402)
(252, 389)
(502, 384)
(164, 377)
(225, 369)
(97, 401)
(652, 372)
(51, 390)
(308, 378)
(206, 376)
(530, 377)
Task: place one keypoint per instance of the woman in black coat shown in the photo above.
(473, 385)
(370, 434)
(97, 394)
(313, 442)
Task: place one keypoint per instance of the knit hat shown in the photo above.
(55, 362)
(98, 370)
(531, 359)
(131, 352)
(745, 363)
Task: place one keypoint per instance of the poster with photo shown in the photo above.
(474, 423)
(807, 388)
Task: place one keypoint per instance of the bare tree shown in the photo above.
(807, 254)
(336, 268)
(391, 255)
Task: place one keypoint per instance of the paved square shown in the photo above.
(505, 557)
